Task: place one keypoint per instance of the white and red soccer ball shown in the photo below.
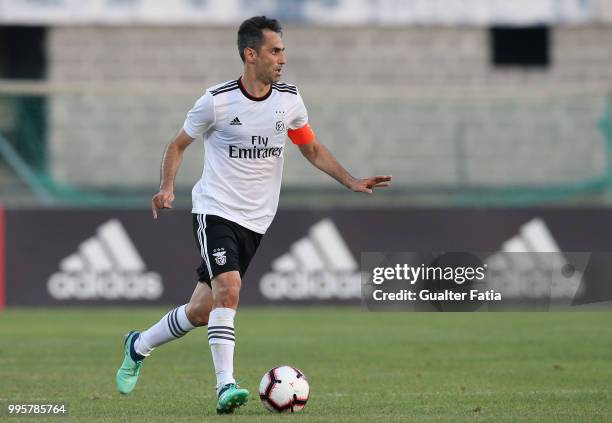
(284, 389)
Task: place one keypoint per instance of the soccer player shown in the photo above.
(245, 123)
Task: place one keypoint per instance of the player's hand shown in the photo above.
(162, 200)
(368, 185)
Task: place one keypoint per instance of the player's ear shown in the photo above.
(250, 55)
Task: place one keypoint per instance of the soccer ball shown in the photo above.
(284, 389)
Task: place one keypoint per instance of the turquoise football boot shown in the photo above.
(231, 396)
(128, 373)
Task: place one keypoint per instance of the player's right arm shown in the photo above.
(199, 119)
(171, 161)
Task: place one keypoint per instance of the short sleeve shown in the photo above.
(299, 131)
(201, 117)
(299, 114)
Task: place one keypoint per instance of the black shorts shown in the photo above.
(223, 245)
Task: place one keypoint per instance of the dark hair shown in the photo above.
(250, 33)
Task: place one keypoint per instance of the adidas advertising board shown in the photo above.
(529, 272)
(318, 265)
(82, 257)
(105, 266)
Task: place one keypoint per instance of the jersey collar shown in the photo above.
(249, 96)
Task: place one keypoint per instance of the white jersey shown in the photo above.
(244, 149)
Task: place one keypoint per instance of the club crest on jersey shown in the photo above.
(280, 126)
(219, 254)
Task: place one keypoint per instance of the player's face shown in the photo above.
(271, 58)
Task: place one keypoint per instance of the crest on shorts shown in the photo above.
(219, 254)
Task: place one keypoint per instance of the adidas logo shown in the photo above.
(531, 265)
(105, 266)
(320, 265)
(236, 121)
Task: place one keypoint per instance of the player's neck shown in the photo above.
(254, 86)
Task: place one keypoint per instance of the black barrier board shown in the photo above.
(82, 257)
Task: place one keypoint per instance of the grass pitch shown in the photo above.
(362, 367)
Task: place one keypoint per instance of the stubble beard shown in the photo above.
(269, 78)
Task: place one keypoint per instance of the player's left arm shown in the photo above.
(323, 159)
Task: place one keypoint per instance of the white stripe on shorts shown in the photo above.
(202, 237)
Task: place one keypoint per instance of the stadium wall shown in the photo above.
(421, 103)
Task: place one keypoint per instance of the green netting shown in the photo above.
(606, 127)
(23, 123)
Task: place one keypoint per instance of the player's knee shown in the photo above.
(226, 295)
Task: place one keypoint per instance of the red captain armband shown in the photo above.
(303, 135)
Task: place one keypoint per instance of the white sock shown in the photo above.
(222, 338)
(172, 326)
